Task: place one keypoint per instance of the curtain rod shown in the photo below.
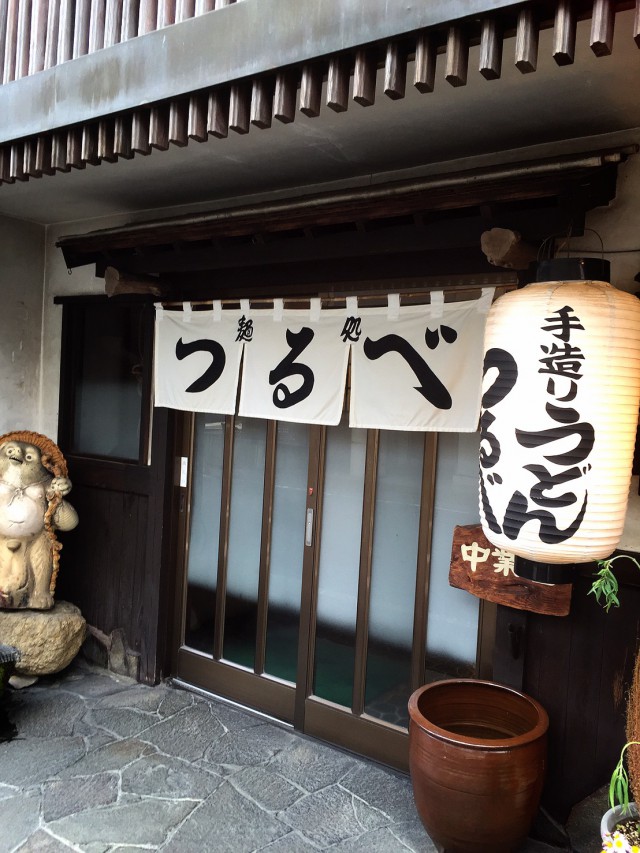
(380, 296)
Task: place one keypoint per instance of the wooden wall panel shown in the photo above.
(579, 667)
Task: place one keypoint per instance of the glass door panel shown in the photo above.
(287, 547)
(393, 575)
(204, 531)
(452, 619)
(338, 570)
(244, 540)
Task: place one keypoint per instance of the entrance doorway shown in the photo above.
(316, 572)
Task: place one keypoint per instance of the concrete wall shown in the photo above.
(22, 254)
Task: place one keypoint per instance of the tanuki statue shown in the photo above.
(33, 485)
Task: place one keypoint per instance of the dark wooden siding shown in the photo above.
(579, 667)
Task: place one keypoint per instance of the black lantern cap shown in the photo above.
(544, 572)
(574, 269)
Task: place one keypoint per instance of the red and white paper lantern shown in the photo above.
(561, 392)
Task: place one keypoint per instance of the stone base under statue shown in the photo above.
(48, 640)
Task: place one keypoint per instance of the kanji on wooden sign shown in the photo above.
(486, 571)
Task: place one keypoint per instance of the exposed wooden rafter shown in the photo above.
(52, 34)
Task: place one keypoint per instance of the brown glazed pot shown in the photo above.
(477, 755)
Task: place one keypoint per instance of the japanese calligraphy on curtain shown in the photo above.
(413, 367)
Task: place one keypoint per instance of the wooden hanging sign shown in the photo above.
(486, 571)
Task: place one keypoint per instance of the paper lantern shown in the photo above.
(558, 424)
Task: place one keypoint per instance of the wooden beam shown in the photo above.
(338, 84)
(364, 77)
(178, 122)
(11, 42)
(81, 28)
(457, 57)
(284, 97)
(117, 283)
(5, 172)
(147, 16)
(38, 38)
(140, 122)
(490, 49)
(96, 25)
(424, 72)
(239, 108)
(89, 146)
(106, 134)
(51, 41)
(185, 9)
(59, 152)
(30, 166)
(218, 113)
(526, 41)
(113, 22)
(130, 9)
(197, 121)
(261, 102)
(564, 33)
(64, 46)
(43, 155)
(311, 90)
(16, 162)
(22, 44)
(602, 22)
(165, 13)
(74, 148)
(159, 127)
(395, 71)
(122, 137)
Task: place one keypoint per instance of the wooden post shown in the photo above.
(424, 74)
(284, 98)
(457, 57)
(564, 33)
(96, 25)
(395, 71)
(526, 41)
(51, 40)
(602, 22)
(311, 90)
(9, 69)
(197, 122)
(490, 50)
(38, 38)
(364, 78)
(261, 102)
(65, 32)
(239, 108)
(113, 22)
(218, 113)
(23, 37)
(81, 28)
(338, 84)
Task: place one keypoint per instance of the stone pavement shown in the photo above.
(103, 764)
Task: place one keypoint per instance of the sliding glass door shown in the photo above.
(316, 572)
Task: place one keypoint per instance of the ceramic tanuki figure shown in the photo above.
(33, 485)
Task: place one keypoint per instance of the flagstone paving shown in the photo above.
(102, 764)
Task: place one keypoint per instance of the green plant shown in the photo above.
(605, 590)
(605, 586)
(619, 785)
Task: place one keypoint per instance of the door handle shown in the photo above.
(308, 532)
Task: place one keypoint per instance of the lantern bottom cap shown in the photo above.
(549, 573)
